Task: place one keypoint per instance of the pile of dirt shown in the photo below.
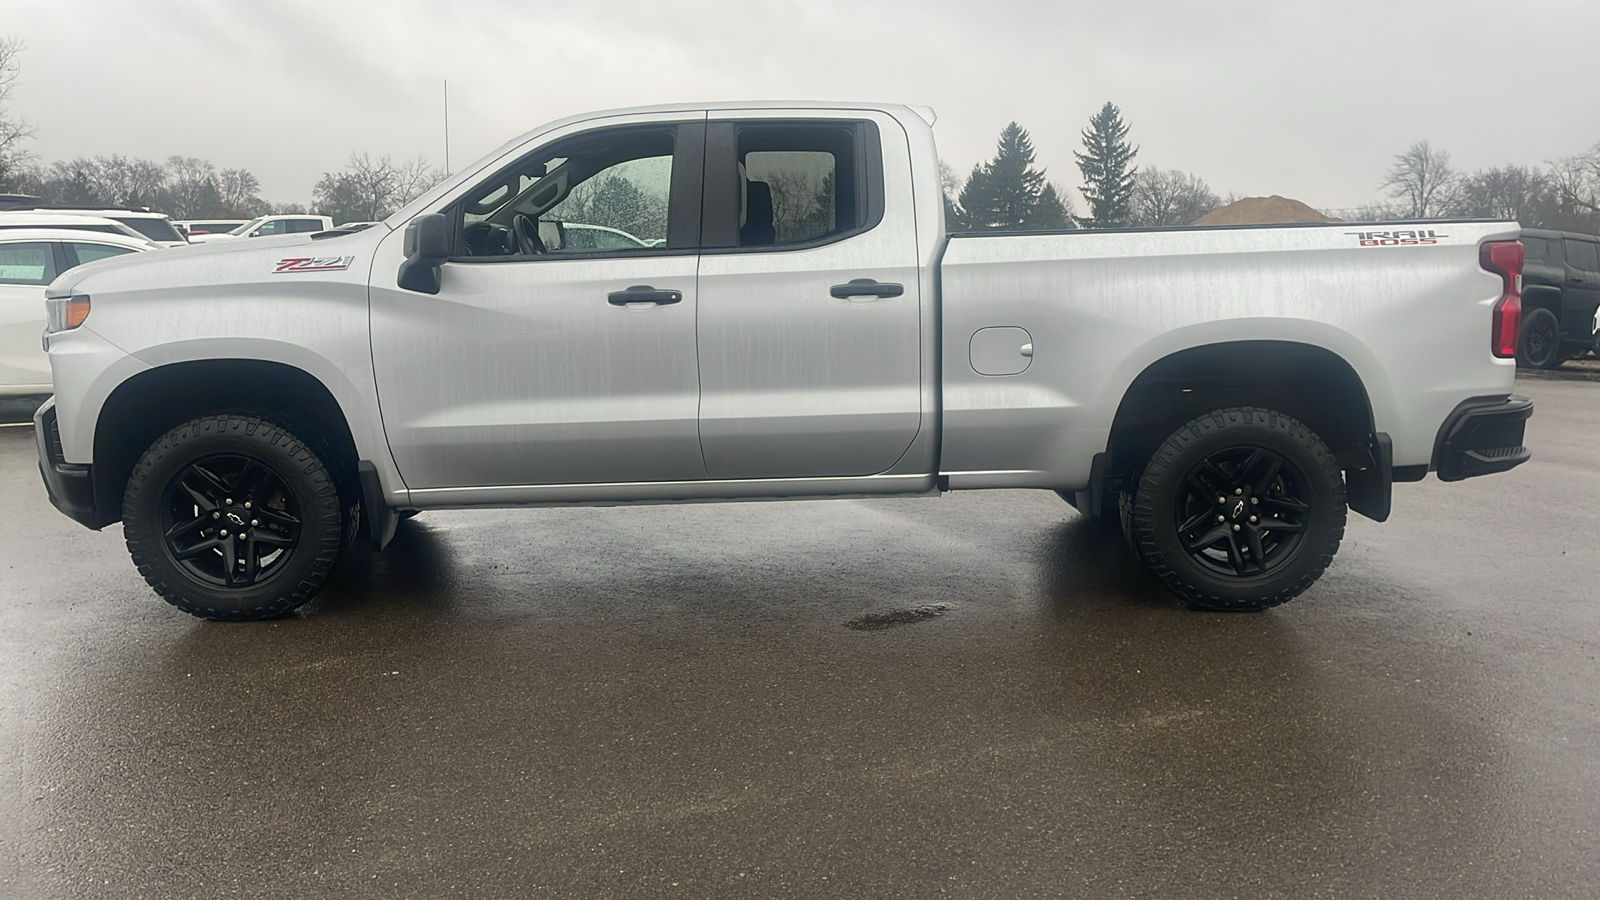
(1272, 210)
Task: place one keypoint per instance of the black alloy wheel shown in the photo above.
(1243, 511)
(1539, 340)
(1240, 509)
(230, 521)
(233, 518)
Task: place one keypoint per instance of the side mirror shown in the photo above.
(427, 246)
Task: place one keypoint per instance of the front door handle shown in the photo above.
(643, 293)
(865, 287)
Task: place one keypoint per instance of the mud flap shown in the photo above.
(1369, 491)
(380, 520)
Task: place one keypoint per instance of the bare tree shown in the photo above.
(238, 193)
(1170, 197)
(191, 188)
(1423, 180)
(413, 178)
(13, 131)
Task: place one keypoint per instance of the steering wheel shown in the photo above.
(527, 235)
(486, 239)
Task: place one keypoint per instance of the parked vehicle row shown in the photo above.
(31, 258)
(784, 317)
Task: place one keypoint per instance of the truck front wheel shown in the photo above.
(232, 518)
(1240, 509)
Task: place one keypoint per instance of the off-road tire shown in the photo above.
(1153, 515)
(301, 473)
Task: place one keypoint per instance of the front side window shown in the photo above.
(276, 226)
(30, 262)
(607, 192)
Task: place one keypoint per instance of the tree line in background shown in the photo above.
(1422, 184)
(183, 187)
(1006, 193)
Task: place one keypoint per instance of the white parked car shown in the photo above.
(194, 227)
(29, 259)
(12, 219)
(155, 226)
(262, 226)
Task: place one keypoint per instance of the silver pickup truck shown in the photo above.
(778, 313)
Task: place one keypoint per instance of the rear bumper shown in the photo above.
(70, 486)
(1482, 436)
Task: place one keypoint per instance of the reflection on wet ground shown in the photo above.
(636, 701)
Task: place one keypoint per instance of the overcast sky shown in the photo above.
(1305, 98)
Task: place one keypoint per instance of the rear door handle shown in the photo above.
(643, 293)
(866, 287)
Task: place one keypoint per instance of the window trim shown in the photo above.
(683, 198)
(722, 150)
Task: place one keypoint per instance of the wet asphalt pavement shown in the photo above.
(671, 701)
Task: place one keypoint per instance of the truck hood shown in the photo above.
(290, 257)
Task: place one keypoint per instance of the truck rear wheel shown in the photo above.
(232, 518)
(1240, 509)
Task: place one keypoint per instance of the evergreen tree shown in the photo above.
(1108, 173)
(1008, 193)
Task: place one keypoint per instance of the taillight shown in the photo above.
(1504, 258)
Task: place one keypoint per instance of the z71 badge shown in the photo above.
(313, 264)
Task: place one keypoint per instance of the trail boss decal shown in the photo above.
(313, 264)
(1402, 238)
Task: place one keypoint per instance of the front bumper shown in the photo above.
(1482, 436)
(70, 486)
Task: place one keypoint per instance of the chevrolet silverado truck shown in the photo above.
(796, 324)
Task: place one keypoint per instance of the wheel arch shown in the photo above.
(1308, 381)
(149, 403)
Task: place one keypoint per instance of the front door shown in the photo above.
(544, 360)
(810, 322)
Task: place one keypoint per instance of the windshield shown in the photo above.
(154, 229)
(245, 228)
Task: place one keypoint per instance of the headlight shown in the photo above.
(63, 313)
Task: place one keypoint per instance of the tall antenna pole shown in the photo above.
(447, 127)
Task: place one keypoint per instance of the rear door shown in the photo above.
(1581, 293)
(25, 268)
(809, 328)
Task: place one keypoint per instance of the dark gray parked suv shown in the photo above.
(1560, 290)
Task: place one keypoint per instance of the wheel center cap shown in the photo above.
(236, 516)
(1239, 508)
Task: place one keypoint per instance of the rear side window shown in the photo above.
(773, 185)
(1535, 249)
(300, 226)
(1582, 255)
(802, 197)
(154, 229)
(88, 253)
(31, 262)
